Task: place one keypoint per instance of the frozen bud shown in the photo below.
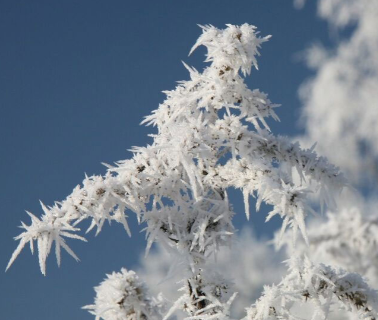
(122, 296)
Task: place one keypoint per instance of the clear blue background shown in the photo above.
(76, 79)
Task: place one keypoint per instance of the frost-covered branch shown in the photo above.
(212, 134)
(347, 239)
(207, 295)
(248, 264)
(100, 198)
(320, 284)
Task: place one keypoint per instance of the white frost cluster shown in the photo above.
(235, 46)
(45, 230)
(122, 296)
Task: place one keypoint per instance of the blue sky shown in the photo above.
(76, 79)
